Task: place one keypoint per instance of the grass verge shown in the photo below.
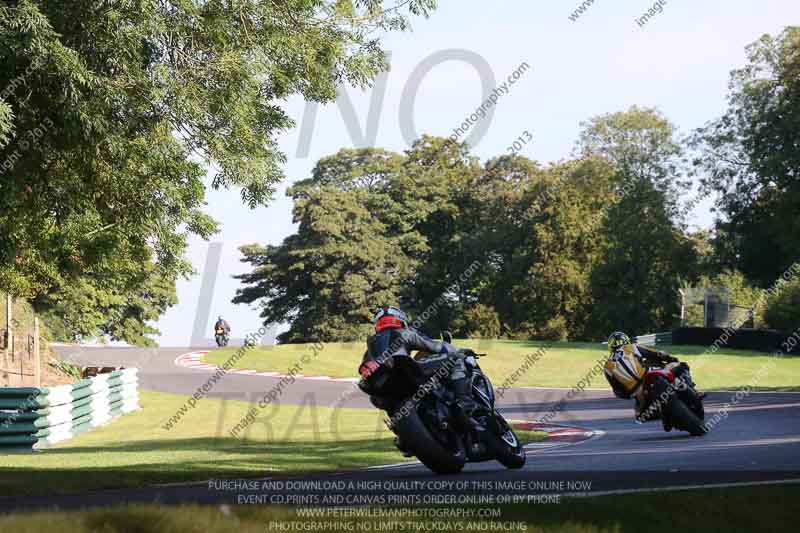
(769, 508)
(563, 365)
(136, 450)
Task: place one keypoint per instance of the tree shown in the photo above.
(346, 257)
(375, 229)
(110, 113)
(644, 252)
(751, 160)
(783, 309)
(119, 304)
(436, 178)
(528, 229)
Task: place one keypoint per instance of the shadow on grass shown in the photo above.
(217, 458)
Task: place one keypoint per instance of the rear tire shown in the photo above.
(419, 441)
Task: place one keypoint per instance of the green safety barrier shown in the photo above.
(32, 418)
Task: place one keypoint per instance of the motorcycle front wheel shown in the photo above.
(679, 414)
(683, 418)
(505, 444)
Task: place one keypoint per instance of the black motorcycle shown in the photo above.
(426, 419)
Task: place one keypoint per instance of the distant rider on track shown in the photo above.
(222, 331)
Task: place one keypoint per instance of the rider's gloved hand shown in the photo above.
(669, 359)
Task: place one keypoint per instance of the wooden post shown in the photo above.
(37, 361)
(8, 340)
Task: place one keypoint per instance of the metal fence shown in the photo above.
(20, 359)
(655, 338)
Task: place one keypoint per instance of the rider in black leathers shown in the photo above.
(222, 324)
(393, 336)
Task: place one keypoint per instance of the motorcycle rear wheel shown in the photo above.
(430, 451)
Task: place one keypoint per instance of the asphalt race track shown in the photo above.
(759, 441)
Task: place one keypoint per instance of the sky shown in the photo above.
(605, 61)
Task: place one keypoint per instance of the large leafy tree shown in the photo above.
(352, 250)
(437, 176)
(526, 226)
(645, 253)
(751, 159)
(111, 113)
(375, 228)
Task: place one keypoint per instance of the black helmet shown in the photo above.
(617, 340)
(390, 318)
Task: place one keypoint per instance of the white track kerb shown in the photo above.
(194, 360)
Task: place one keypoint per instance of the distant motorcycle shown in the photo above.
(221, 337)
(424, 415)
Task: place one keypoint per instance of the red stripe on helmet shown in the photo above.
(388, 322)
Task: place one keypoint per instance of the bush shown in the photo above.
(783, 309)
(555, 329)
(480, 321)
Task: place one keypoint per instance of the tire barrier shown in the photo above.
(762, 340)
(32, 418)
(655, 338)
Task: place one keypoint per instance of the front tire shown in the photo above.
(683, 418)
(429, 450)
(506, 446)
